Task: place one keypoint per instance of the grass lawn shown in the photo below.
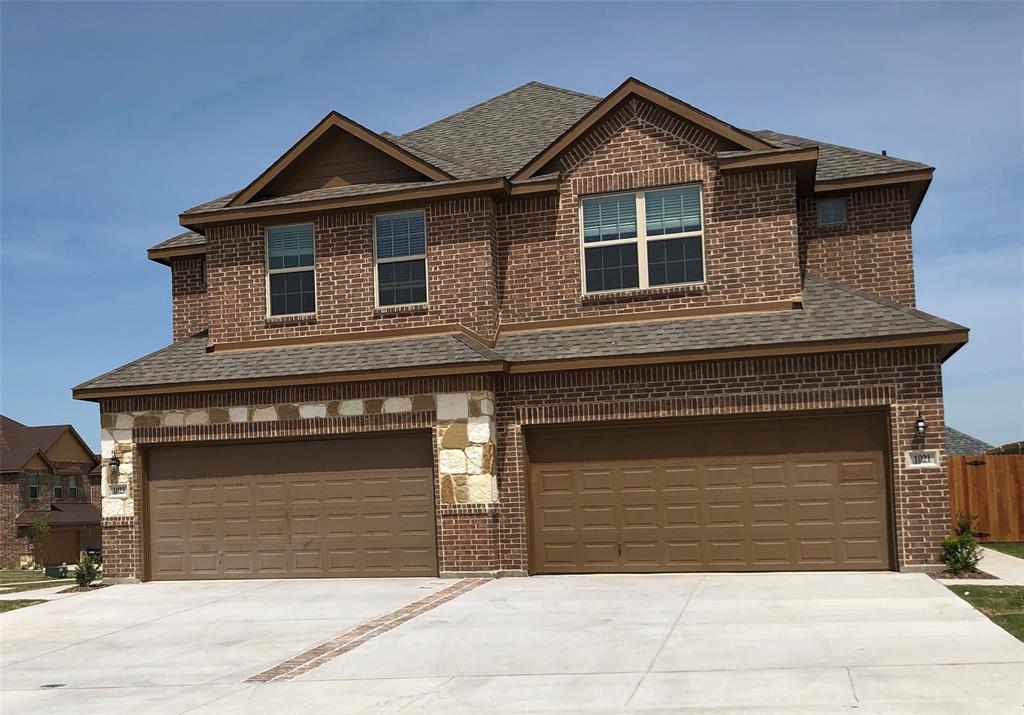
(11, 605)
(1004, 605)
(1013, 548)
(44, 583)
(18, 575)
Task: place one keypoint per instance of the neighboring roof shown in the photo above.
(961, 444)
(63, 513)
(1009, 448)
(19, 443)
(188, 361)
(830, 312)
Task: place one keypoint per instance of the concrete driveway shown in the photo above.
(808, 643)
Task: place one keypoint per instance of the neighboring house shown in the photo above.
(551, 333)
(1009, 448)
(959, 444)
(47, 472)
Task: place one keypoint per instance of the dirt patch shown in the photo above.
(81, 589)
(962, 574)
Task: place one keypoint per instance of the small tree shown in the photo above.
(960, 552)
(87, 571)
(39, 535)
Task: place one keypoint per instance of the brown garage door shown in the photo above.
(345, 507)
(770, 494)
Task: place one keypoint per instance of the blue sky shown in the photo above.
(117, 116)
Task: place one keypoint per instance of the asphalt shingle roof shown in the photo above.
(499, 136)
(188, 360)
(19, 442)
(182, 240)
(829, 312)
(959, 444)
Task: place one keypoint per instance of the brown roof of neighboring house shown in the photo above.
(19, 442)
(498, 137)
(829, 313)
(63, 513)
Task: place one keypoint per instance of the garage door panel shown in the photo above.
(795, 493)
(307, 524)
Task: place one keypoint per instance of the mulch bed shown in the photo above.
(962, 574)
(80, 589)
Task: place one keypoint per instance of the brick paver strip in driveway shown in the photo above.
(315, 657)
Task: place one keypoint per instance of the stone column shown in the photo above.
(465, 448)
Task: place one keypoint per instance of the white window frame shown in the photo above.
(841, 200)
(33, 484)
(57, 487)
(642, 239)
(268, 271)
(401, 259)
(72, 486)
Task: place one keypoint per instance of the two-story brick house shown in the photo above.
(47, 472)
(551, 333)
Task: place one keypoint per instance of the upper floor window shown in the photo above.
(33, 486)
(400, 258)
(72, 487)
(831, 212)
(291, 280)
(643, 239)
(58, 487)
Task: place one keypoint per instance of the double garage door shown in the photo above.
(351, 507)
(766, 494)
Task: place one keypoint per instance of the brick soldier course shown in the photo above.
(792, 317)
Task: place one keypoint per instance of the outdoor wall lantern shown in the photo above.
(114, 464)
(920, 426)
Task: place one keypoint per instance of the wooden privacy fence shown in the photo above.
(990, 487)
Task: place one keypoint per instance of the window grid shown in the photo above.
(306, 292)
(831, 212)
(73, 487)
(33, 486)
(58, 488)
(641, 240)
(414, 275)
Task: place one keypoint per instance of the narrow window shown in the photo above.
(291, 280)
(58, 487)
(831, 212)
(33, 486)
(400, 252)
(72, 487)
(643, 239)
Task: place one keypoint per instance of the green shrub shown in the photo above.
(960, 552)
(87, 571)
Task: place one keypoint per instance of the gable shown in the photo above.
(337, 150)
(647, 133)
(36, 464)
(69, 449)
(630, 90)
(338, 159)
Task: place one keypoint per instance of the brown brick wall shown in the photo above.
(751, 247)
(461, 280)
(10, 506)
(493, 538)
(871, 251)
(189, 314)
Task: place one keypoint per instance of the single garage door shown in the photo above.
(769, 494)
(342, 507)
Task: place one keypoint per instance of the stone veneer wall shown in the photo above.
(462, 423)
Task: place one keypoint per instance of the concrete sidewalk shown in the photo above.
(1003, 566)
(754, 643)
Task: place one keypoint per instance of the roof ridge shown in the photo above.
(447, 157)
(906, 309)
(563, 90)
(486, 101)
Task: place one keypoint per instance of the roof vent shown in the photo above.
(884, 153)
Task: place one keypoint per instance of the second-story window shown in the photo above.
(643, 239)
(58, 487)
(400, 258)
(72, 487)
(291, 280)
(831, 212)
(33, 486)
